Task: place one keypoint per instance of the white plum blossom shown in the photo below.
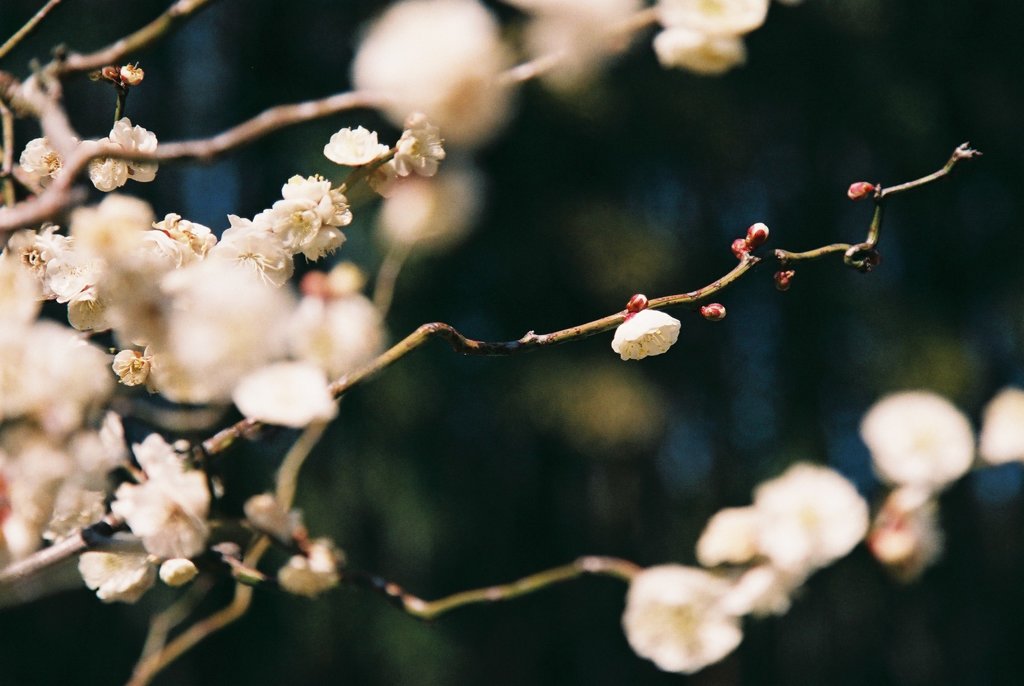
(441, 57)
(1002, 428)
(132, 367)
(117, 577)
(647, 332)
(181, 241)
(311, 574)
(306, 220)
(420, 148)
(35, 248)
(113, 229)
(905, 536)
(354, 147)
(254, 250)
(674, 617)
(431, 214)
(40, 161)
(108, 173)
(178, 571)
(918, 438)
(713, 17)
(730, 537)
(336, 334)
(761, 591)
(702, 53)
(286, 393)
(265, 513)
(168, 510)
(808, 517)
(20, 292)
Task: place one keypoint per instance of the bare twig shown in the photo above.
(29, 26)
(7, 164)
(387, 276)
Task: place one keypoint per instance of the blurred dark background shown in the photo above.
(447, 472)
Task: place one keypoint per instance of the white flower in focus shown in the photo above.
(713, 17)
(441, 57)
(254, 250)
(182, 241)
(307, 217)
(354, 147)
(420, 148)
(809, 516)
(674, 618)
(918, 438)
(107, 173)
(70, 273)
(117, 577)
(35, 249)
(730, 537)
(699, 52)
(1002, 428)
(287, 393)
(167, 511)
(648, 332)
(87, 312)
(311, 574)
(132, 367)
(905, 536)
(41, 161)
(136, 139)
(431, 214)
(178, 571)
(336, 334)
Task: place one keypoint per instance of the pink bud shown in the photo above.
(740, 248)
(111, 73)
(783, 278)
(713, 312)
(314, 284)
(757, 235)
(860, 190)
(636, 303)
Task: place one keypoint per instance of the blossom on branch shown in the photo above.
(108, 173)
(1002, 428)
(286, 393)
(117, 577)
(647, 332)
(354, 147)
(419, 149)
(41, 161)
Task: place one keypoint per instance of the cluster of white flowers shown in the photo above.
(706, 36)
(684, 619)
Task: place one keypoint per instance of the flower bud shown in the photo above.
(860, 190)
(177, 571)
(636, 303)
(131, 75)
(782, 279)
(740, 248)
(111, 73)
(713, 312)
(757, 235)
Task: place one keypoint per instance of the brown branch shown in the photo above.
(29, 26)
(115, 53)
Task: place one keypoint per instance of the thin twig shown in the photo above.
(144, 37)
(431, 609)
(387, 277)
(29, 26)
(7, 164)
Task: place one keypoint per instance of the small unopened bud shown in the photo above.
(131, 75)
(177, 571)
(740, 248)
(783, 278)
(315, 284)
(713, 312)
(111, 73)
(757, 235)
(636, 303)
(860, 190)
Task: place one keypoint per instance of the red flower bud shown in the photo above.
(314, 284)
(713, 312)
(740, 248)
(860, 190)
(636, 303)
(783, 278)
(757, 235)
(111, 73)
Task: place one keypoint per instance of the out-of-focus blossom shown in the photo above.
(761, 591)
(265, 513)
(113, 229)
(1002, 428)
(441, 57)
(286, 393)
(178, 571)
(420, 148)
(117, 577)
(354, 147)
(311, 574)
(808, 517)
(20, 297)
(730, 537)
(431, 215)
(75, 507)
(108, 173)
(698, 52)
(40, 161)
(918, 438)
(674, 617)
(648, 332)
(905, 536)
(34, 249)
(713, 17)
(336, 334)
(167, 511)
